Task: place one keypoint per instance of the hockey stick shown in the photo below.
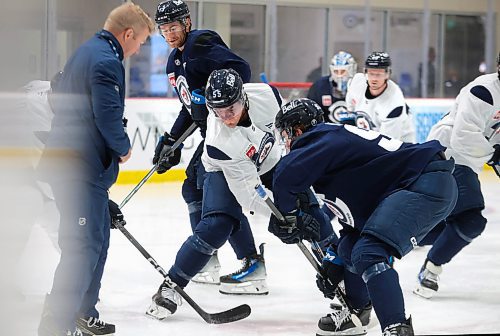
(164, 156)
(231, 315)
(340, 296)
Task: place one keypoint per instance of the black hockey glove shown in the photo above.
(494, 162)
(199, 111)
(298, 225)
(165, 155)
(116, 214)
(332, 273)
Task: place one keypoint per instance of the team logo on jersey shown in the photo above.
(177, 62)
(326, 100)
(336, 110)
(250, 152)
(183, 91)
(265, 147)
(171, 78)
(341, 210)
(270, 125)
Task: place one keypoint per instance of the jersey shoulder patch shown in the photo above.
(217, 154)
(482, 93)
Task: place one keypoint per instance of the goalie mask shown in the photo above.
(297, 114)
(342, 68)
(171, 11)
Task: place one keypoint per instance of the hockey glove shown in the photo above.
(298, 225)
(116, 214)
(199, 111)
(494, 162)
(165, 155)
(332, 273)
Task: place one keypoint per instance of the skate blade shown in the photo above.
(424, 292)
(206, 278)
(253, 287)
(158, 312)
(349, 332)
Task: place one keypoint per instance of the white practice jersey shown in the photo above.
(387, 112)
(245, 153)
(470, 130)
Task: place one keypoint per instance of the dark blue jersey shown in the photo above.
(324, 92)
(355, 167)
(189, 69)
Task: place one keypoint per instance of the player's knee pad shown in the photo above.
(368, 251)
(215, 229)
(468, 224)
(374, 270)
(194, 207)
(200, 245)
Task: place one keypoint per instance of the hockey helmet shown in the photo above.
(170, 11)
(343, 61)
(378, 60)
(300, 113)
(224, 88)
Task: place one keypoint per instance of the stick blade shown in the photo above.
(228, 316)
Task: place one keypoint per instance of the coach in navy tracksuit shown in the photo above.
(86, 144)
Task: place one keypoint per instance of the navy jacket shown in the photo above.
(88, 109)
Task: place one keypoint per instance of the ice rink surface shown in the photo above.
(468, 300)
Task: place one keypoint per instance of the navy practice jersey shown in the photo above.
(332, 101)
(355, 167)
(189, 69)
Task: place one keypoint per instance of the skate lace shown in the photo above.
(246, 262)
(93, 321)
(172, 295)
(340, 317)
(77, 332)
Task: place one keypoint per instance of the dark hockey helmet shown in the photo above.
(300, 113)
(171, 11)
(378, 60)
(224, 88)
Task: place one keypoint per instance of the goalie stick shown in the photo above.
(231, 315)
(164, 156)
(309, 256)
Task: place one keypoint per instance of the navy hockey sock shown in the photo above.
(356, 291)
(447, 245)
(387, 297)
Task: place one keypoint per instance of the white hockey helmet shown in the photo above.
(342, 68)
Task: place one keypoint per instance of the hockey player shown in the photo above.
(343, 162)
(378, 102)
(470, 133)
(240, 152)
(330, 91)
(195, 54)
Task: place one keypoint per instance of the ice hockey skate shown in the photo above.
(164, 302)
(342, 322)
(428, 280)
(399, 329)
(249, 280)
(209, 274)
(94, 326)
